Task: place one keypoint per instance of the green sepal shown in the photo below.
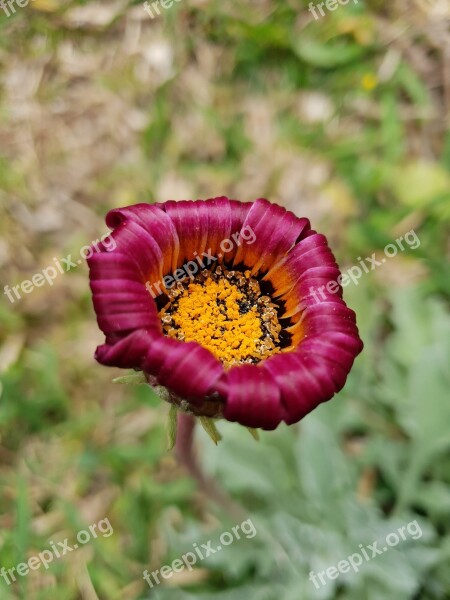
(172, 422)
(134, 378)
(254, 433)
(210, 427)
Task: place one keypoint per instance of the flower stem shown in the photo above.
(186, 456)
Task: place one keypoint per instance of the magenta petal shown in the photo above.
(319, 365)
(121, 304)
(141, 248)
(329, 316)
(202, 226)
(335, 346)
(321, 256)
(311, 252)
(225, 219)
(239, 212)
(153, 219)
(113, 265)
(128, 352)
(253, 398)
(219, 223)
(124, 311)
(191, 223)
(311, 292)
(307, 254)
(275, 231)
(300, 390)
(336, 362)
(322, 275)
(187, 369)
(117, 285)
(315, 287)
(315, 277)
(305, 381)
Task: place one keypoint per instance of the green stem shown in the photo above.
(186, 456)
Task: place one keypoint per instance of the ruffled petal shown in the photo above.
(154, 220)
(301, 389)
(119, 310)
(252, 397)
(126, 352)
(141, 248)
(334, 346)
(323, 318)
(120, 299)
(205, 228)
(315, 371)
(219, 225)
(311, 291)
(328, 316)
(112, 265)
(268, 233)
(187, 369)
(239, 212)
(310, 252)
(190, 219)
(225, 220)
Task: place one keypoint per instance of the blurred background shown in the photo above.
(341, 118)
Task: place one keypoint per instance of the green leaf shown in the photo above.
(420, 184)
(326, 55)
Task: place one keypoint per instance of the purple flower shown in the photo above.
(235, 308)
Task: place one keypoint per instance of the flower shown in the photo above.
(248, 336)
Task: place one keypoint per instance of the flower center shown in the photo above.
(226, 312)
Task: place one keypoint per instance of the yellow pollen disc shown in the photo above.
(210, 312)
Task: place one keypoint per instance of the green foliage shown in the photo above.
(209, 99)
